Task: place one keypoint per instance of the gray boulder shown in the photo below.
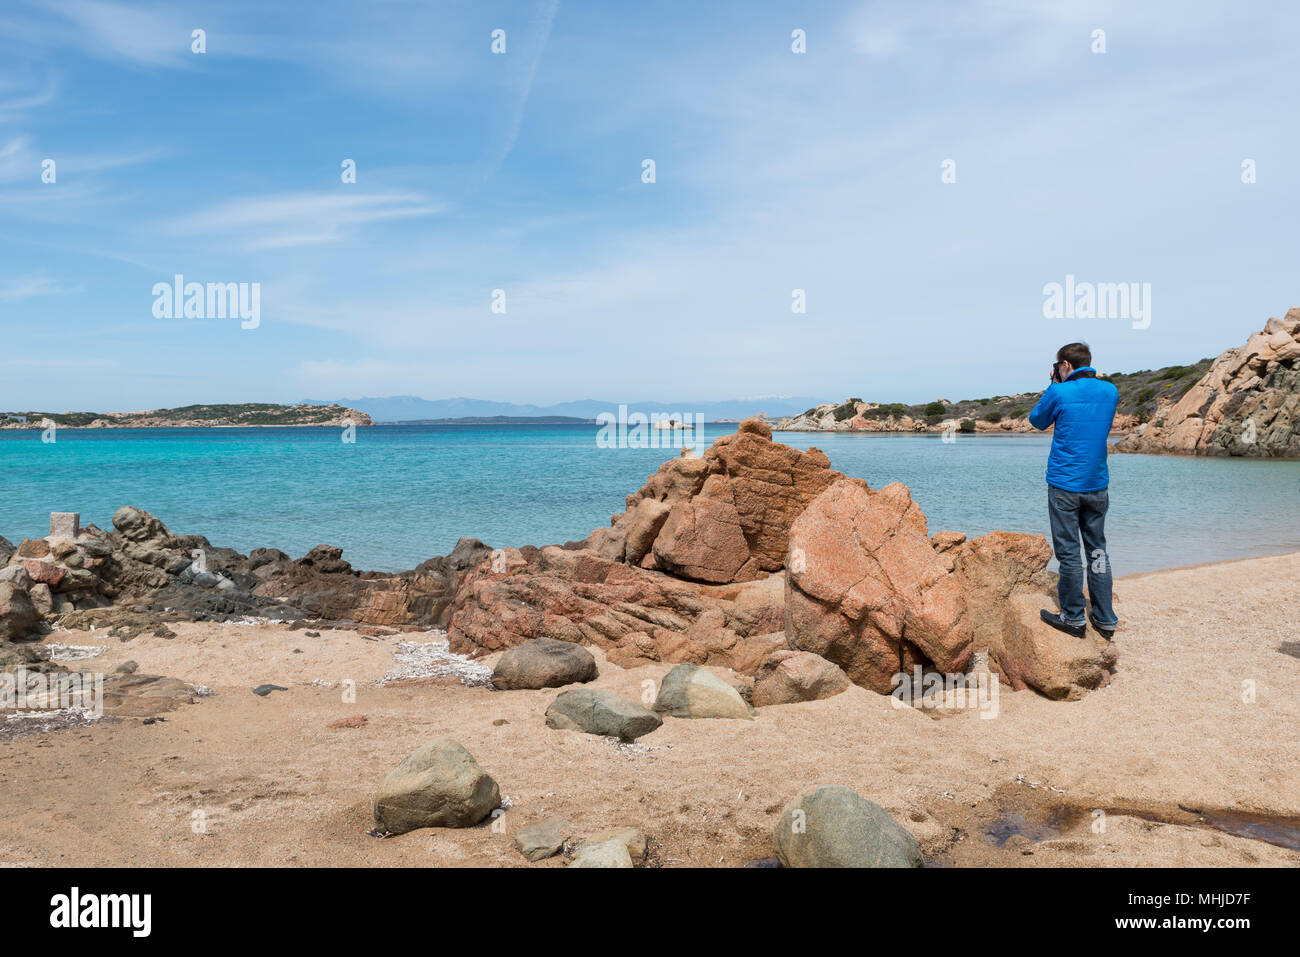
(596, 711)
(607, 854)
(632, 839)
(543, 663)
(833, 826)
(437, 785)
(542, 839)
(689, 691)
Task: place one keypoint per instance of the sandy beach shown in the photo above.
(1166, 750)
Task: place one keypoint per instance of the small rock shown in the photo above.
(608, 854)
(789, 676)
(542, 839)
(689, 691)
(264, 690)
(312, 634)
(763, 862)
(42, 599)
(127, 668)
(498, 722)
(632, 839)
(833, 826)
(597, 711)
(437, 785)
(17, 615)
(351, 721)
(543, 663)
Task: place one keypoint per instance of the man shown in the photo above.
(1082, 407)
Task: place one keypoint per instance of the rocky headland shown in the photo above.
(1247, 403)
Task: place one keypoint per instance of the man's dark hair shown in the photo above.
(1076, 353)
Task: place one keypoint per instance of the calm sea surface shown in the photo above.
(402, 494)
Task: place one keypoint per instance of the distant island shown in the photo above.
(245, 415)
(407, 408)
(498, 420)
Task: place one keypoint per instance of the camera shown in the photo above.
(1056, 371)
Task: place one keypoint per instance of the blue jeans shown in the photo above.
(1074, 514)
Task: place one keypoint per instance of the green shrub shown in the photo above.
(934, 408)
(967, 425)
(993, 417)
(1018, 413)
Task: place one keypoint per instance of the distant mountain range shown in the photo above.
(410, 408)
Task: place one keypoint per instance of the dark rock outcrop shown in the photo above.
(140, 574)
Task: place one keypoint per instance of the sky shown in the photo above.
(523, 171)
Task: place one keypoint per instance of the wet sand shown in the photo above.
(1172, 747)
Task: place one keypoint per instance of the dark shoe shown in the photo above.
(1107, 633)
(1053, 619)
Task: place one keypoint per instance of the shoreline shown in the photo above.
(1223, 562)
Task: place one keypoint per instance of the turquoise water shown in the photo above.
(402, 494)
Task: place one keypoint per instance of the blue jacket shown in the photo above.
(1082, 409)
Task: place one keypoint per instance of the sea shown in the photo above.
(400, 494)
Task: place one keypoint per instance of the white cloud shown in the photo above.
(150, 35)
(29, 287)
(303, 219)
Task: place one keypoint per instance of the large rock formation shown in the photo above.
(1248, 403)
(722, 517)
(633, 614)
(869, 591)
